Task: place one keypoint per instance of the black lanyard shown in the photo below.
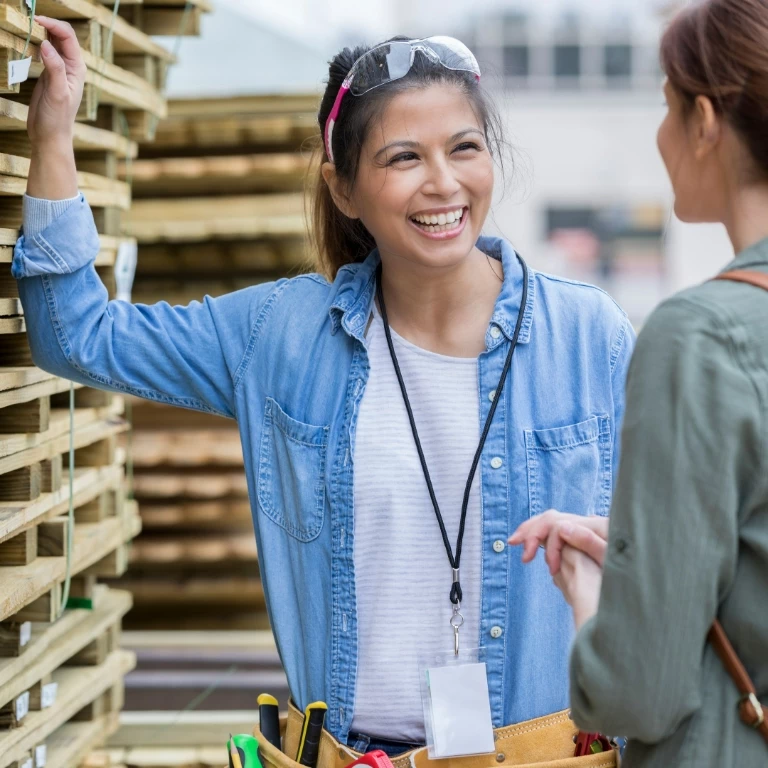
(454, 560)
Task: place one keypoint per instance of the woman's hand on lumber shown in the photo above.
(52, 112)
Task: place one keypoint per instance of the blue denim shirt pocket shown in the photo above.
(291, 486)
(570, 468)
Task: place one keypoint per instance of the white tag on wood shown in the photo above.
(48, 695)
(125, 269)
(22, 706)
(28, 763)
(29, 4)
(18, 70)
(41, 755)
(25, 633)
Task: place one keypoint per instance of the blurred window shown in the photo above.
(517, 60)
(567, 61)
(618, 61)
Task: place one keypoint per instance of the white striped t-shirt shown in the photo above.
(402, 574)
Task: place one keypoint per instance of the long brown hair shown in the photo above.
(336, 239)
(719, 49)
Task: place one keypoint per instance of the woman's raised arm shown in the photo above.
(188, 356)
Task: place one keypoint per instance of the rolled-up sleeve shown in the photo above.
(688, 443)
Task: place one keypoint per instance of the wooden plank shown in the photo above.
(88, 484)
(61, 642)
(181, 729)
(21, 585)
(50, 385)
(187, 448)
(255, 640)
(11, 325)
(169, 23)
(219, 515)
(204, 5)
(23, 484)
(14, 637)
(189, 219)
(200, 262)
(30, 416)
(20, 550)
(77, 687)
(194, 486)
(116, 194)
(126, 38)
(228, 174)
(10, 307)
(13, 117)
(197, 592)
(71, 743)
(209, 550)
(289, 104)
(20, 450)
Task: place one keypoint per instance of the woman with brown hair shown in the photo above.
(688, 535)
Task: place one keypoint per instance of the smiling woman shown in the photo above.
(400, 413)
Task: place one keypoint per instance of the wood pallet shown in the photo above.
(86, 694)
(204, 126)
(212, 218)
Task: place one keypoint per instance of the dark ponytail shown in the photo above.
(336, 239)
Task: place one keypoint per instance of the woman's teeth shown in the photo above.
(440, 222)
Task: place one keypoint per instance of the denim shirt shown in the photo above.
(288, 360)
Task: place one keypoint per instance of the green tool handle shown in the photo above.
(248, 749)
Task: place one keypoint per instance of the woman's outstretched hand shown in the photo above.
(575, 550)
(553, 530)
(52, 113)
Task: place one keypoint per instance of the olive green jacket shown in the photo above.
(688, 536)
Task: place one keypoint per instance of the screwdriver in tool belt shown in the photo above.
(269, 719)
(309, 746)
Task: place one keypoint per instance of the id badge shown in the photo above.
(457, 706)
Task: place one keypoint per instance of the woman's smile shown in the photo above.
(441, 224)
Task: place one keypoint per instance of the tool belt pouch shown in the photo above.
(547, 742)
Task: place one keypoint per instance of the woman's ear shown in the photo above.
(708, 127)
(339, 191)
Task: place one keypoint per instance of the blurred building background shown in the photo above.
(578, 86)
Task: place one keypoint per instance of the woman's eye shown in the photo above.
(401, 157)
(466, 145)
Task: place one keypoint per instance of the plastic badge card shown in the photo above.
(457, 706)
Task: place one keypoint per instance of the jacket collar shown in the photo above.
(754, 256)
(356, 285)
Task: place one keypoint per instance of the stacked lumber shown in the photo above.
(217, 206)
(62, 668)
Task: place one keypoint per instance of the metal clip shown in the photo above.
(457, 620)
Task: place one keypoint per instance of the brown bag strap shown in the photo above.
(750, 709)
(759, 279)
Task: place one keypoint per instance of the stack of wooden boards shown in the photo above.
(61, 671)
(218, 206)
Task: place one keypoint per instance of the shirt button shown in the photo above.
(496, 632)
(492, 395)
(496, 462)
(495, 332)
(498, 545)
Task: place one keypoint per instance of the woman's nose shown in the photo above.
(441, 180)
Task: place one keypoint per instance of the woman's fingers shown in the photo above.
(554, 548)
(55, 71)
(583, 539)
(535, 532)
(64, 40)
